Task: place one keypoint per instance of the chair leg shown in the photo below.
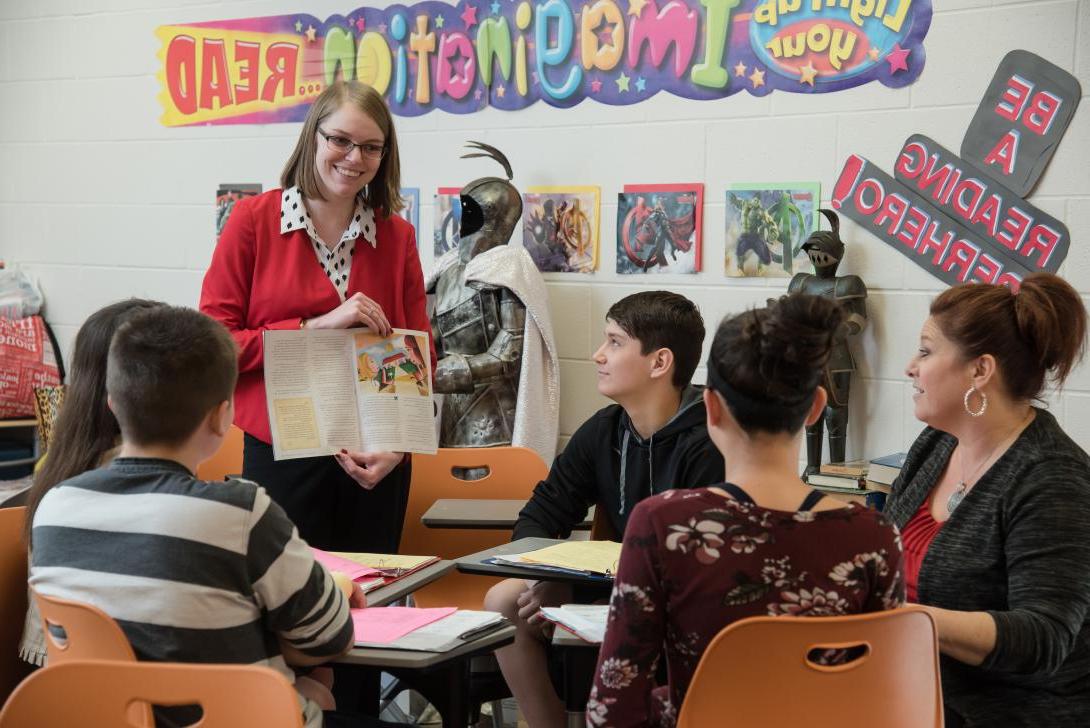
(497, 714)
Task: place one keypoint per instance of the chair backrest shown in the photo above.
(97, 693)
(757, 672)
(90, 633)
(512, 473)
(226, 461)
(13, 605)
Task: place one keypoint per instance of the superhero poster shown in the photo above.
(660, 228)
(227, 195)
(766, 226)
(447, 220)
(560, 228)
(411, 212)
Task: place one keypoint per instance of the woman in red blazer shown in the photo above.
(326, 251)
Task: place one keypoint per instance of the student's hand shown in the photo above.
(357, 309)
(540, 594)
(357, 599)
(368, 468)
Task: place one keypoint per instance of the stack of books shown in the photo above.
(850, 476)
(859, 481)
(884, 470)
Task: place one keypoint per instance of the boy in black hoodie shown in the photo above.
(654, 438)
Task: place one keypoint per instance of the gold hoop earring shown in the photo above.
(983, 402)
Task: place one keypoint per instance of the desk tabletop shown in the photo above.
(475, 564)
(481, 513)
(415, 659)
(408, 584)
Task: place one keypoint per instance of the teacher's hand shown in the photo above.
(357, 309)
(368, 468)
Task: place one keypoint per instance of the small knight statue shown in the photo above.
(826, 250)
(497, 359)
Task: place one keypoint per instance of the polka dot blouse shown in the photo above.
(336, 260)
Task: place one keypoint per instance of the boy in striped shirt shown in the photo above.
(192, 571)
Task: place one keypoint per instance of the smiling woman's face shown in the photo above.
(342, 176)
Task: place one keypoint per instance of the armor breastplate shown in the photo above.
(481, 327)
(840, 357)
(468, 326)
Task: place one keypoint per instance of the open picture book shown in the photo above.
(334, 389)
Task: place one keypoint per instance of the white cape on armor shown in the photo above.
(538, 410)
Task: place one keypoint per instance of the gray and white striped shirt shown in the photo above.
(192, 571)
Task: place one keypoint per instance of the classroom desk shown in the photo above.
(13, 493)
(579, 659)
(443, 678)
(481, 513)
(393, 591)
(474, 564)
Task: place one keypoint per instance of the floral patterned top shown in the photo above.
(694, 561)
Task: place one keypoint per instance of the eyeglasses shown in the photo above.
(343, 145)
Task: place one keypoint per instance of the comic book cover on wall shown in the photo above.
(446, 220)
(227, 195)
(660, 228)
(411, 212)
(766, 225)
(560, 228)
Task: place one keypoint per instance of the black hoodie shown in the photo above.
(608, 464)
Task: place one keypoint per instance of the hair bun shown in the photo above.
(798, 334)
(1051, 319)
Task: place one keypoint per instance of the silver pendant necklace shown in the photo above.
(956, 497)
(962, 488)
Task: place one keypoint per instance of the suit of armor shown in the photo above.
(826, 250)
(478, 328)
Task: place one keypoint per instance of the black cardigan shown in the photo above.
(1018, 547)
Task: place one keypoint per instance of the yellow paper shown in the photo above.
(386, 562)
(596, 557)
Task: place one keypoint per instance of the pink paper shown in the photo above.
(382, 625)
(336, 563)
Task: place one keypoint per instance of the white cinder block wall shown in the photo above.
(98, 201)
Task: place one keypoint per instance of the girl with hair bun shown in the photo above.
(761, 543)
(994, 505)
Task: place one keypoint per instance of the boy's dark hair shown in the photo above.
(663, 320)
(168, 368)
(85, 429)
(768, 362)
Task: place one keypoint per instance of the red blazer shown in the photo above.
(261, 280)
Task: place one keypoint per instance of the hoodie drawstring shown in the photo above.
(624, 464)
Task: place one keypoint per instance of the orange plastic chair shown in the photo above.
(756, 672)
(226, 461)
(90, 633)
(513, 473)
(96, 694)
(13, 605)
